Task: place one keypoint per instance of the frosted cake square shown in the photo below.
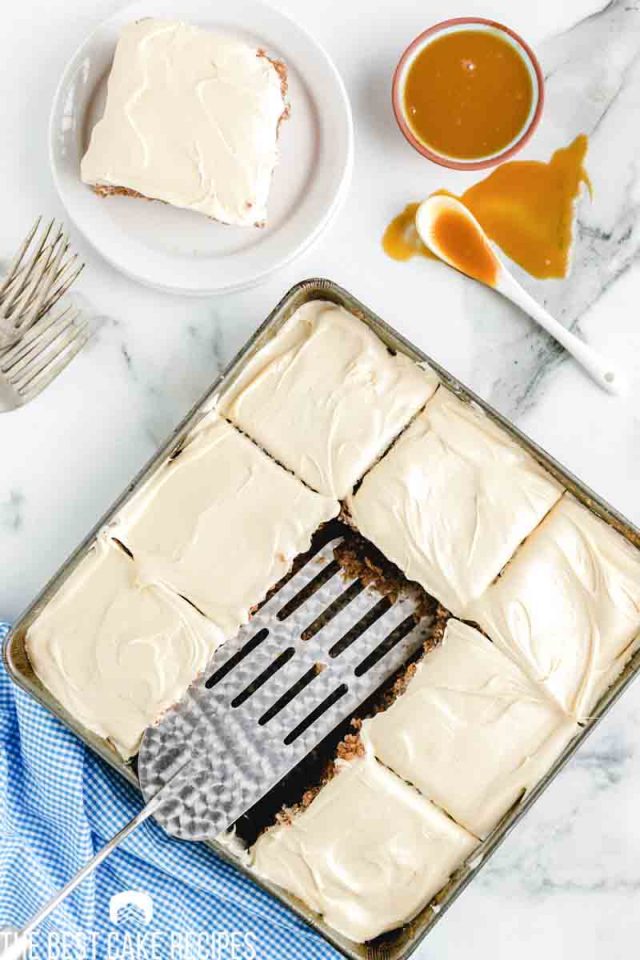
(220, 523)
(117, 653)
(192, 119)
(452, 500)
(471, 732)
(325, 397)
(368, 853)
(567, 606)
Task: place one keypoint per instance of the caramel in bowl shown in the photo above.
(468, 93)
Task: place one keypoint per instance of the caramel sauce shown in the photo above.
(528, 207)
(468, 94)
(525, 206)
(465, 246)
(401, 240)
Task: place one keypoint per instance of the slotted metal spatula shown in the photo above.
(311, 655)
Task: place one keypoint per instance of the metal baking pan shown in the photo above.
(400, 943)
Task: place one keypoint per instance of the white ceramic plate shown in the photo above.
(185, 252)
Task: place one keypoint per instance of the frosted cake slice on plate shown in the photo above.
(567, 606)
(117, 653)
(368, 853)
(192, 119)
(326, 397)
(220, 523)
(452, 500)
(471, 732)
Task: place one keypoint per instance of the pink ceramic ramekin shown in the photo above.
(449, 26)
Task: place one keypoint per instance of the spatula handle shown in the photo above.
(20, 943)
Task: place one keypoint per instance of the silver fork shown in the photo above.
(39, 356)
(40, 273)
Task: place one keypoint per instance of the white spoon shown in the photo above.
(454, 235)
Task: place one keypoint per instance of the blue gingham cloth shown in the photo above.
(58, 805)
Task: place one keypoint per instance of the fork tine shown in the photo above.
(17, 279)
(48, 251)
(31, 308)
(34, 255)
(62, 288)
(17, 259)
(37, 383)
(40, 351)
(40, 247)
(8, 336)
(65, 266)
(17, 300)
(24, 290)
(13, 353)
(46, 355)
(41, 272)
(31, 339)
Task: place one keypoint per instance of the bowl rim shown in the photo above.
(483, 163)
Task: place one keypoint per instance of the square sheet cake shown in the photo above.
(444, 494)
(326, 397)
(567, 606)
(192, 119)
(452, 500)
(220, 523)
(367, 853)
(117, 653)
(471, 731)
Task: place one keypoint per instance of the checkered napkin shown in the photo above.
(58, 804)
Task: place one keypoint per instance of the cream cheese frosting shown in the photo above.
(220, 523)
(567, 607)
(191, 118)
(471, 732)
(368, 853)
(116, 653)
(325, 397)
(452, 500)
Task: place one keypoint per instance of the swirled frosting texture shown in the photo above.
(326, 398)
(191, 118)
(221, 523)
(117, 653)
(368, 853)
(471, 731)
(567, 607)
(452, 500)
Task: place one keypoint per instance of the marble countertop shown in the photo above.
(567, 881)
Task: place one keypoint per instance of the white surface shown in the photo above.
(566, 883)
(183, 251)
